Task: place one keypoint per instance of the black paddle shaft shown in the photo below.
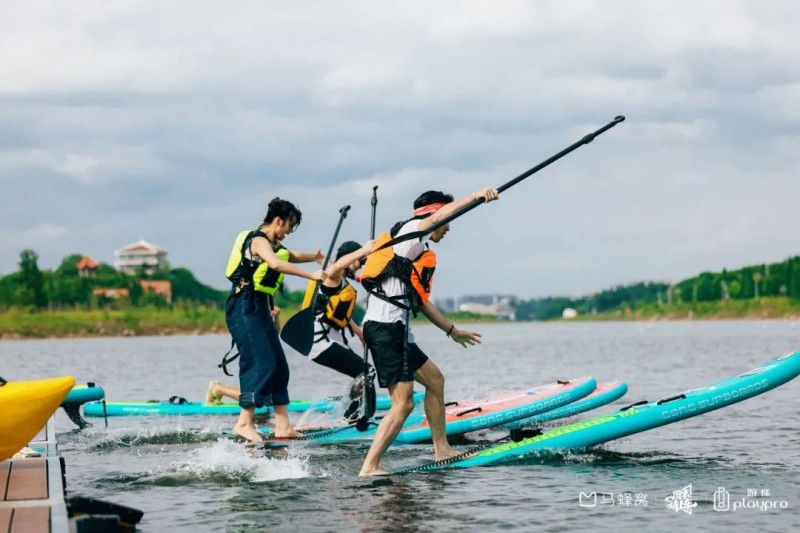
(363, 421)
(298, 332)
(478, 201)
(342, 215)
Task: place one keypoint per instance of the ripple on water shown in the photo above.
(97, 440)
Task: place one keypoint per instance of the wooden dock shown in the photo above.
(32, 490)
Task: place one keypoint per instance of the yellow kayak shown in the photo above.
(25, 407)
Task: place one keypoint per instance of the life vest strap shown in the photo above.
(228, 360)
(395, 300)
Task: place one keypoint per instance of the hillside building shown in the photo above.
(87, 267)
(140, 257)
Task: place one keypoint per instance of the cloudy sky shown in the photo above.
(178, 122)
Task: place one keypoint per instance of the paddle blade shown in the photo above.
(298, 332)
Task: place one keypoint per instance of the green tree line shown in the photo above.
(751, 282)
(64, 287)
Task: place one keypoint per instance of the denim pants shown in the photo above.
(263, 370)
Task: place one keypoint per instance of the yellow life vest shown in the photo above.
(417, 272)
(255, 272)
(335, 309)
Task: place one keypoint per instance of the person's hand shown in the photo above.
(318, 275)
(319, 257)
(464, 337)
(488, 194)
(358, 332)
(276, 312)
(368, 246)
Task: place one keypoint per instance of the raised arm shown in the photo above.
(335, 271)
(489, 193)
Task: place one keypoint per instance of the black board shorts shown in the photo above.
(393, 363)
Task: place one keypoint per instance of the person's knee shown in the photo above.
(403, 405)
(435, 380)
(406, 406)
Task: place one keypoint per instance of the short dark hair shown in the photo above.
(347, 247)
(426, 198)
(284, 209)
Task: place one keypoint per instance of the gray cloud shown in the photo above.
(178, 123)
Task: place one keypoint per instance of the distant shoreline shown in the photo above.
(18, 324)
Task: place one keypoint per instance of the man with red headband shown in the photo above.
(399, 280)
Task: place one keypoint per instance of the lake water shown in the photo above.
(186, 477)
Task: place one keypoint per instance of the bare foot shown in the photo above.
(375, 472)
(213, 395)
(248, 432)
(446, 453)
(287, 433)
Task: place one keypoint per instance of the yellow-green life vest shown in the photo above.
(254, 271)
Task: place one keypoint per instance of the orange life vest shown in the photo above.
(417, 273)
(335, 308)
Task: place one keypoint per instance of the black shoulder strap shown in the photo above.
(246, 242)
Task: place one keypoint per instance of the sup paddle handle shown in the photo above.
(374, 204)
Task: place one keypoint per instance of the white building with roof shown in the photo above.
(140, 257)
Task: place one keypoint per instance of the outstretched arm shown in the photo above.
(461, 336)
(306, 257)
(489, 193)
(263, 249)
(335, 271)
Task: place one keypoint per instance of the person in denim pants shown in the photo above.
(263, 370)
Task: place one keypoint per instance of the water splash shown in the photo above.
(227, 462)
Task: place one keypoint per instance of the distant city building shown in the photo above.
(86, 266)
(499, 305)
(140, 257)
(158, 286)
(446, 305)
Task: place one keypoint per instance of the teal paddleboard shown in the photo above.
(463, 417)
(84, 393)
(605, 393)
(180, 407)
(634, 418)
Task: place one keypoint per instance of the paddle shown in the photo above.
(478, 201)
(368, 393)
(298, 332)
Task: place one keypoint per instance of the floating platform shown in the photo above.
(32, 489)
